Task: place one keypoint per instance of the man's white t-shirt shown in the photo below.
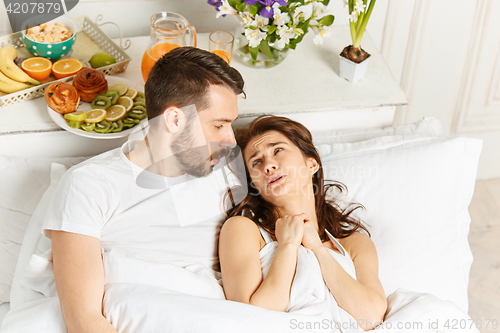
(173, 220)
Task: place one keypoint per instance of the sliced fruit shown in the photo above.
(137, 114)
(95, 116)
(140, 103)
(139, 107)
(115, 112)
(127, 102)
(129, 122)
(113, 96)
(117, 126)
(122, 87)
(37, 68)
(102, 127)
(66, 67)
(140, 94)
(75, 124)
(76, 116)
(101, 102)
(131, 92)
(101, 59)
(87, 127)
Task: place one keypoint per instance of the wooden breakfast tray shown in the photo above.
(89, 40)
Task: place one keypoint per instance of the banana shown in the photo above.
(9, 86)
(10, 69)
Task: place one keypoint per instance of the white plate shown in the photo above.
(84, 106)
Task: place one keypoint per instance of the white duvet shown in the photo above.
(148, 297)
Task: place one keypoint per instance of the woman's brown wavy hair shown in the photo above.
(337, 221)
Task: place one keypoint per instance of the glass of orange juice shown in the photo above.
(168, 31)
(221, 43)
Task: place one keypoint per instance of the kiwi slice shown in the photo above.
(88, 127)
(139, 107)
(130, 122)
(137, 113)
(75, 124)
(140, 95)
(140, 103)
(113, 96)
(102, 127)
(116, 126)
(101, 102)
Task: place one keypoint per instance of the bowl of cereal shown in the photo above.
(51, 40)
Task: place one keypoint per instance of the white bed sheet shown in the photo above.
(4, 308)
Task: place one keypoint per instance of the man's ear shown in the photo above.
(174, 119)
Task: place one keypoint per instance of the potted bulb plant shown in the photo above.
(353, 59)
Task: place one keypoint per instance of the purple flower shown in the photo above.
(215, 3)
(267, 6)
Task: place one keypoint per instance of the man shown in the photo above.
(131, 202)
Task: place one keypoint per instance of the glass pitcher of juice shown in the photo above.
(168, 31)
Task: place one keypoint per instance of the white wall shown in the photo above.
(4, 21)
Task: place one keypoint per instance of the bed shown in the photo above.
(414, 183)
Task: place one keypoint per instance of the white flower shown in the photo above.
(279, 44)
(353, 17)
(287, 33)
(303, 12)
(319, 10)
(346, 3)
(225, 9)
(254, 37)
(279, 17)
(359, 7)
(247, 19)
(261, 22)
(320, 34)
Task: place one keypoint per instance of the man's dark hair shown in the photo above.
(183, 76)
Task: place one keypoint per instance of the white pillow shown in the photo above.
(428, 126)
(416, 190)
(24, 180)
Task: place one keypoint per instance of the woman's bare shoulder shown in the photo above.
(357, 243)
(240, 226)
(240, 232)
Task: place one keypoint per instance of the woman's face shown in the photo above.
(278, 168)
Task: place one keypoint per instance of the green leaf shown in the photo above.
(254, 10)
(254, 51)
(241, 7)
(234, 3)
(271, 29)
(327, 20)
(264, 48)
(326, 2)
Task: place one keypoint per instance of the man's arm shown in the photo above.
(79, 277)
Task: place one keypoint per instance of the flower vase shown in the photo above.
(262, 61)
(351, 71)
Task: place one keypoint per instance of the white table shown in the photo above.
(305, 87)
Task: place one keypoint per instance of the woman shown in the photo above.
(286, 205)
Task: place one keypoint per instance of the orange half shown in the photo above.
(37, 68)
(66, 67)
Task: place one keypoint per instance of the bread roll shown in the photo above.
(90, 83)
(62, 97)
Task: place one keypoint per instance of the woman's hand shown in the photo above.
(311, 238)
(290, 229)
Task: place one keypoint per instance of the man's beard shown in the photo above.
(194, 160)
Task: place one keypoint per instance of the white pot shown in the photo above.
(352, 71)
